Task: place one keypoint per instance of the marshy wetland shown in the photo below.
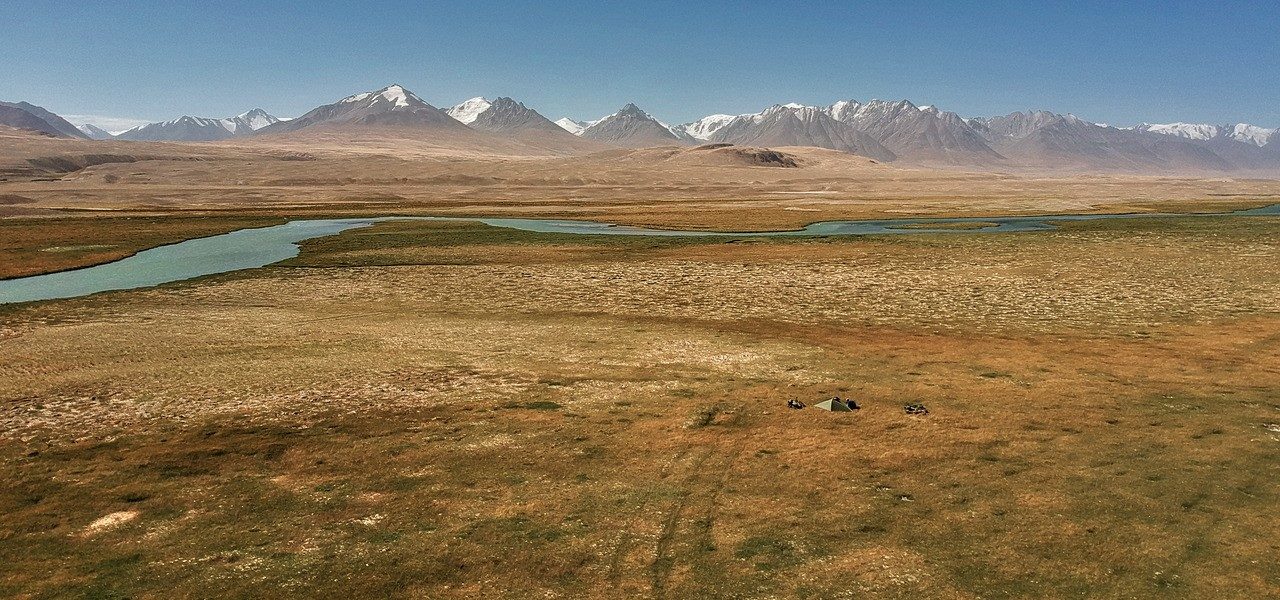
(257, 247)
(448, 409)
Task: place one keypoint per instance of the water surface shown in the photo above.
(241, 249)
(252, 248)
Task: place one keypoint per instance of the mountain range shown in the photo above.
(902, 131)
(200, 129)
(94, 132)
(924, 134)
(888, 131)
(502, 126)
(503, 115)
(23, 115)
(1240, 132)
(631, 127)
(797, 125)
(392, 106)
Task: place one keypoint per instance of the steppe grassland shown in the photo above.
(449, 410)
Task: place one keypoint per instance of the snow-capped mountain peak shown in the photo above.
(468, 110)
(1240, 132)
(633, 127)
(842, 108)
(396, 94)
(874, 109)
(255, 119)
(800, 111)
(501, 115)
(572, 126)
(1252, 134)
(631, 110)
(188, 128)
(704, 127)
(94, 132)
(1192, 131)
(392, 107)
(795, 124)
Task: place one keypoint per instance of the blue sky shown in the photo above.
(1119, 62)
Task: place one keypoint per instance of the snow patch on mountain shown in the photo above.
(843, 108)
(468, 110)
(1252, 134)
(875, 109)
(574, 127)
(396, 94)
(1191, 131)
(703, 128)
(356, 98)
(1240, 132)
(112, 125)
(188, 128)
(256, 119)
(803, 112)
(94, 132)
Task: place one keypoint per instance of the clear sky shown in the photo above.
(1120, 61)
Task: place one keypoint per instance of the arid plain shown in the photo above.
(451, 410)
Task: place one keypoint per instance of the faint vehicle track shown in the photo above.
(628, 536)
(706, 499)
(660, 568)
(702, 471)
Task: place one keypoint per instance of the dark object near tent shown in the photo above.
(795, 404)
(915, 409)
(833, 405)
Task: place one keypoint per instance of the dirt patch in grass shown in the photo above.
(110, 521)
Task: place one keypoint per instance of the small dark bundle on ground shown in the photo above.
(915, 409)
(795, 404)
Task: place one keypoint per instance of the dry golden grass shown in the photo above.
(668, 187)
(449, 411)
(446, 410)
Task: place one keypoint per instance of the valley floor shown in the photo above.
(445, 410)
